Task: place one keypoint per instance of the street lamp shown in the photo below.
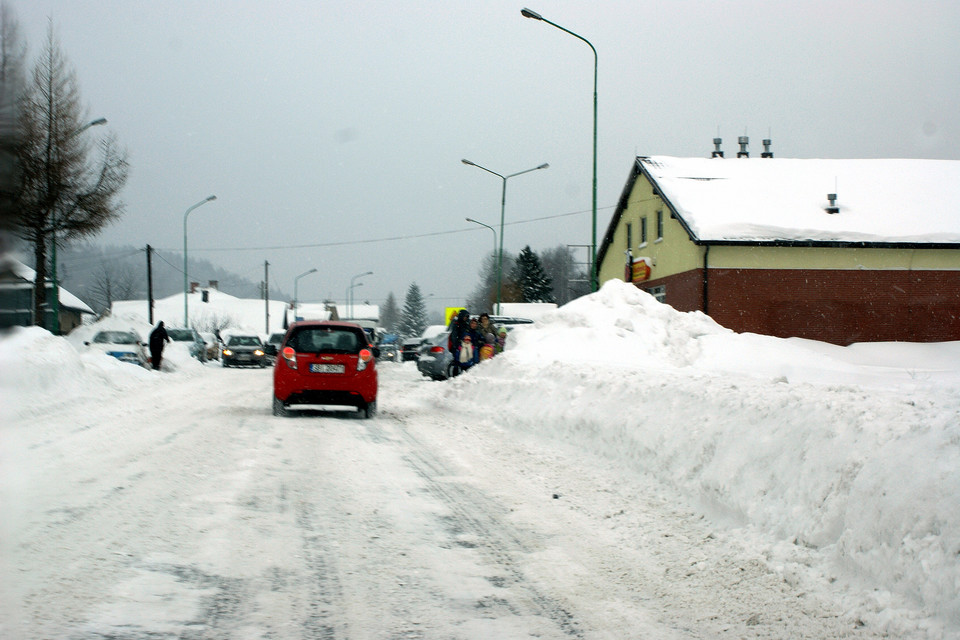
(53, 235)
(494, 243)
(296, 281)
(527, 13)
(350, 290)
(186, 322)
(503, 205)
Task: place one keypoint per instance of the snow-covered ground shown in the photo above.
(701, 484)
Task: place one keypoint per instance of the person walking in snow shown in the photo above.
(459, 327)
(157, 339)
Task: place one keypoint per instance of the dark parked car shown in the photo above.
(325, 363)
(389, 347)
(190, 339)
(243, 350)
(410, 349)
(272, 346)
(435, 360)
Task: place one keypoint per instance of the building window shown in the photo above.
(659, 292)
(629, 236)
(643, 231)
(659, 225)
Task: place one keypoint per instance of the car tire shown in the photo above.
(279, 409)
(450, 371)
(370, 410)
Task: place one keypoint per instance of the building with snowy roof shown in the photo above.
(16, 299)
(841, 251)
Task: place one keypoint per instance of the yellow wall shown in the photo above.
(676, 253)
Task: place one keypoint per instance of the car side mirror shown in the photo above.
(376, 352)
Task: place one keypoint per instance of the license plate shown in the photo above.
(326, 368)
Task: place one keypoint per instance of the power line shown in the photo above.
(391, 238)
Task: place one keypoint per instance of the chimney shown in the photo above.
(833, 208)
(766, 149)
(214, 284)
(717, 153)
(743, 141)
(193, 287)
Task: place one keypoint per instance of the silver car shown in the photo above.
(435, 359)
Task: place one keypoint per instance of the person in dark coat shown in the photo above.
(157, 339)
(458, 328)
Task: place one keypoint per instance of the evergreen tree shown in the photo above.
(529, 278)
(390, 315)
(413, 318)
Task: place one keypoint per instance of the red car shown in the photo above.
(325, 363)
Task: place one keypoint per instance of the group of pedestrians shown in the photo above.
(473, 340)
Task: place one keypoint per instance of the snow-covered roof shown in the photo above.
(248, 314)
(25, 273)
(785, 199)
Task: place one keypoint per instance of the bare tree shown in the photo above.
(66, 191)
(112, 282)
(569, 281)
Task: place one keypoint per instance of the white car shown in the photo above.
(125, 346)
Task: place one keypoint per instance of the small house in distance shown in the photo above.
(840, 251)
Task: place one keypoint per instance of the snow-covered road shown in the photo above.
(184, 509)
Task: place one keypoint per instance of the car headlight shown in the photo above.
(258, 352)
(227, 352)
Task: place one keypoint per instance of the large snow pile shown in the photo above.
(851, 451)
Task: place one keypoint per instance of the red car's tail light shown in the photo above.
(436, 349)
(290, 357)
(366, 356)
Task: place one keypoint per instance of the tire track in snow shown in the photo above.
(474, 523)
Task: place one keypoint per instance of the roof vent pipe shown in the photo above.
(766, 149)
(833, 208)
(743, 141)
(717, 153)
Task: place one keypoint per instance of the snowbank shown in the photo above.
(851, 451)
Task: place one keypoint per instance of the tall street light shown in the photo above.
(296, 281)
(503, 206)
(494, 244)
(53, 235)
(350, 290)
(186, 322)
(527, 13)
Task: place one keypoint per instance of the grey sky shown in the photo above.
(333, 125)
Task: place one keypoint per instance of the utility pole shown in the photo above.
(266, 297)
(149, 285)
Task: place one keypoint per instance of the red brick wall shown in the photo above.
(837, 306)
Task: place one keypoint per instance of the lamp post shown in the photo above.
(527, 13)
(186, 322)
(350, 290)
(494, 244)
(296, 281)
(53, 235)
(503, 206)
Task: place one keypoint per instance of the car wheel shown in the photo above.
(370, 410)
(279, 409)
(450, 372)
